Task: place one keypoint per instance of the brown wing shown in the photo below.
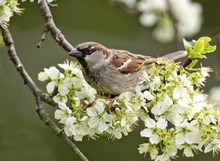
(126, 62)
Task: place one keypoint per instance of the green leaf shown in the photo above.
(198, 49)
(204, 39)
(186, 44)
(199, 46)
(210, 48)
(194, 54)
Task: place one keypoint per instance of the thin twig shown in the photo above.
(187, 62)
(48, 99)
(36, 92)
(55, 32)
(53, 5)
(43, 37)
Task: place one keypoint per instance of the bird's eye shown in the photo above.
(89, 51)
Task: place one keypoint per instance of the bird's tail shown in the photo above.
(178, 56)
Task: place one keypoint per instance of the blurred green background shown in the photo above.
(23, 137)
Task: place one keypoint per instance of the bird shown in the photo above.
(114, 71)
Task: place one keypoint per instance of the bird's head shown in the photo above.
(90, 54)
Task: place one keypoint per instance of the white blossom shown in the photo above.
(143, 148)
(8, 8)
(162, 157)
(161, 123)
(52, 73)
(208, 119)
(215, 93)
(176, 93)
(63, 113)
(148, 148)
(42, 76)
(73, 67)
(95, 113)
(150, 130)
(148, 95)
(213, 146)
(156, 13)
(148, 19)
(155, 82)
(60, 99)
(50, 87)
(188, 133)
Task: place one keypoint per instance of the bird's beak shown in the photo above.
(76, 53)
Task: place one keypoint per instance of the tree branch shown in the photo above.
(50, 25)
(39, 95)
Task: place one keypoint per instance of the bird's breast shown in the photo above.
(110, 81)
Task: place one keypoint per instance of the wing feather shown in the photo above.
(126, 62)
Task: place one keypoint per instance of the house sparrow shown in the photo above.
(112, 71)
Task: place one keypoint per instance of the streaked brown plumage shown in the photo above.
(112, 71)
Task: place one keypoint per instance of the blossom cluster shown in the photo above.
(157, 13)
(177, 116)
(82, 112)
(183, 119)
(8, 7)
